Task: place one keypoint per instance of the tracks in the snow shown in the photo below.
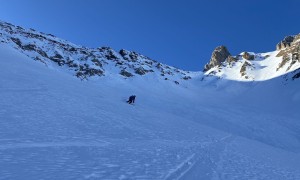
(202, 164)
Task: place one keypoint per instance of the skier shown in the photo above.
(131, 99)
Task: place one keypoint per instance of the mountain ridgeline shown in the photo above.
(86, 63)
(249, 66)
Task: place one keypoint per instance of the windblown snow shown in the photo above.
(54, 126)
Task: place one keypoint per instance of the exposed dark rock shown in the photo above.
(125, 73)
(219, 55)
(72, 64)
(17, 41)
(186, 77)
(158, 66)
(83, 52)
(29, 47)
(244, 68)
(292, 63)
(286, 42)
(285, 59)
(103, 49)
(130, 56)
(123, 52)
(20, 28)
(231, 59)
(58, 56)
(176, 82)
(97, 62)
(295, 56)
(169, 73)
(51, 35)
(80, 75)
(118, 63)
(72, 49)
(140, 71)
(133, 56)
(149, 62)
(248, 56)
(111, 56)
(58, 59)
(85, 71)
(93, 72)
(42, 53)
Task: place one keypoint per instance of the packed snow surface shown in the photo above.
(54, 126)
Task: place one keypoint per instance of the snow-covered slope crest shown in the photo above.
(250, 66)
(85, 62)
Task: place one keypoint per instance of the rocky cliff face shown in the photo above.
(83, 62)
(219, 55)
(290, 53)
(286, 42)
(250, 66)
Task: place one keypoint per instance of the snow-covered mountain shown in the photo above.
(88, 63)
(212, 125)
(85, 62)
(249, 66)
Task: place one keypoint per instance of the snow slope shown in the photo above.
(54, 126)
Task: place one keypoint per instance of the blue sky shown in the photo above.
(181, 33)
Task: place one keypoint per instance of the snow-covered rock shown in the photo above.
(83, 62)
(219, 55)
(250, 66)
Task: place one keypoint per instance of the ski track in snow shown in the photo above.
(201, 164)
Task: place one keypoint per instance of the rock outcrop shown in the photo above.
(248, 56)
(244, 68)
(290, 54)
(286, 42)
(219, 55)
(231, 59)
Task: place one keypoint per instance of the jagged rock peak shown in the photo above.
(219, 55)
(286, 42)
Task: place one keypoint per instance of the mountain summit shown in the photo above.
(250, 66)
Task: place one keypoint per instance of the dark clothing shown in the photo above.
(131, 99)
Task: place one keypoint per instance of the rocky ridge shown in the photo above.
(248, 64)
(83, 62)
(86, 63)
(289, 53)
